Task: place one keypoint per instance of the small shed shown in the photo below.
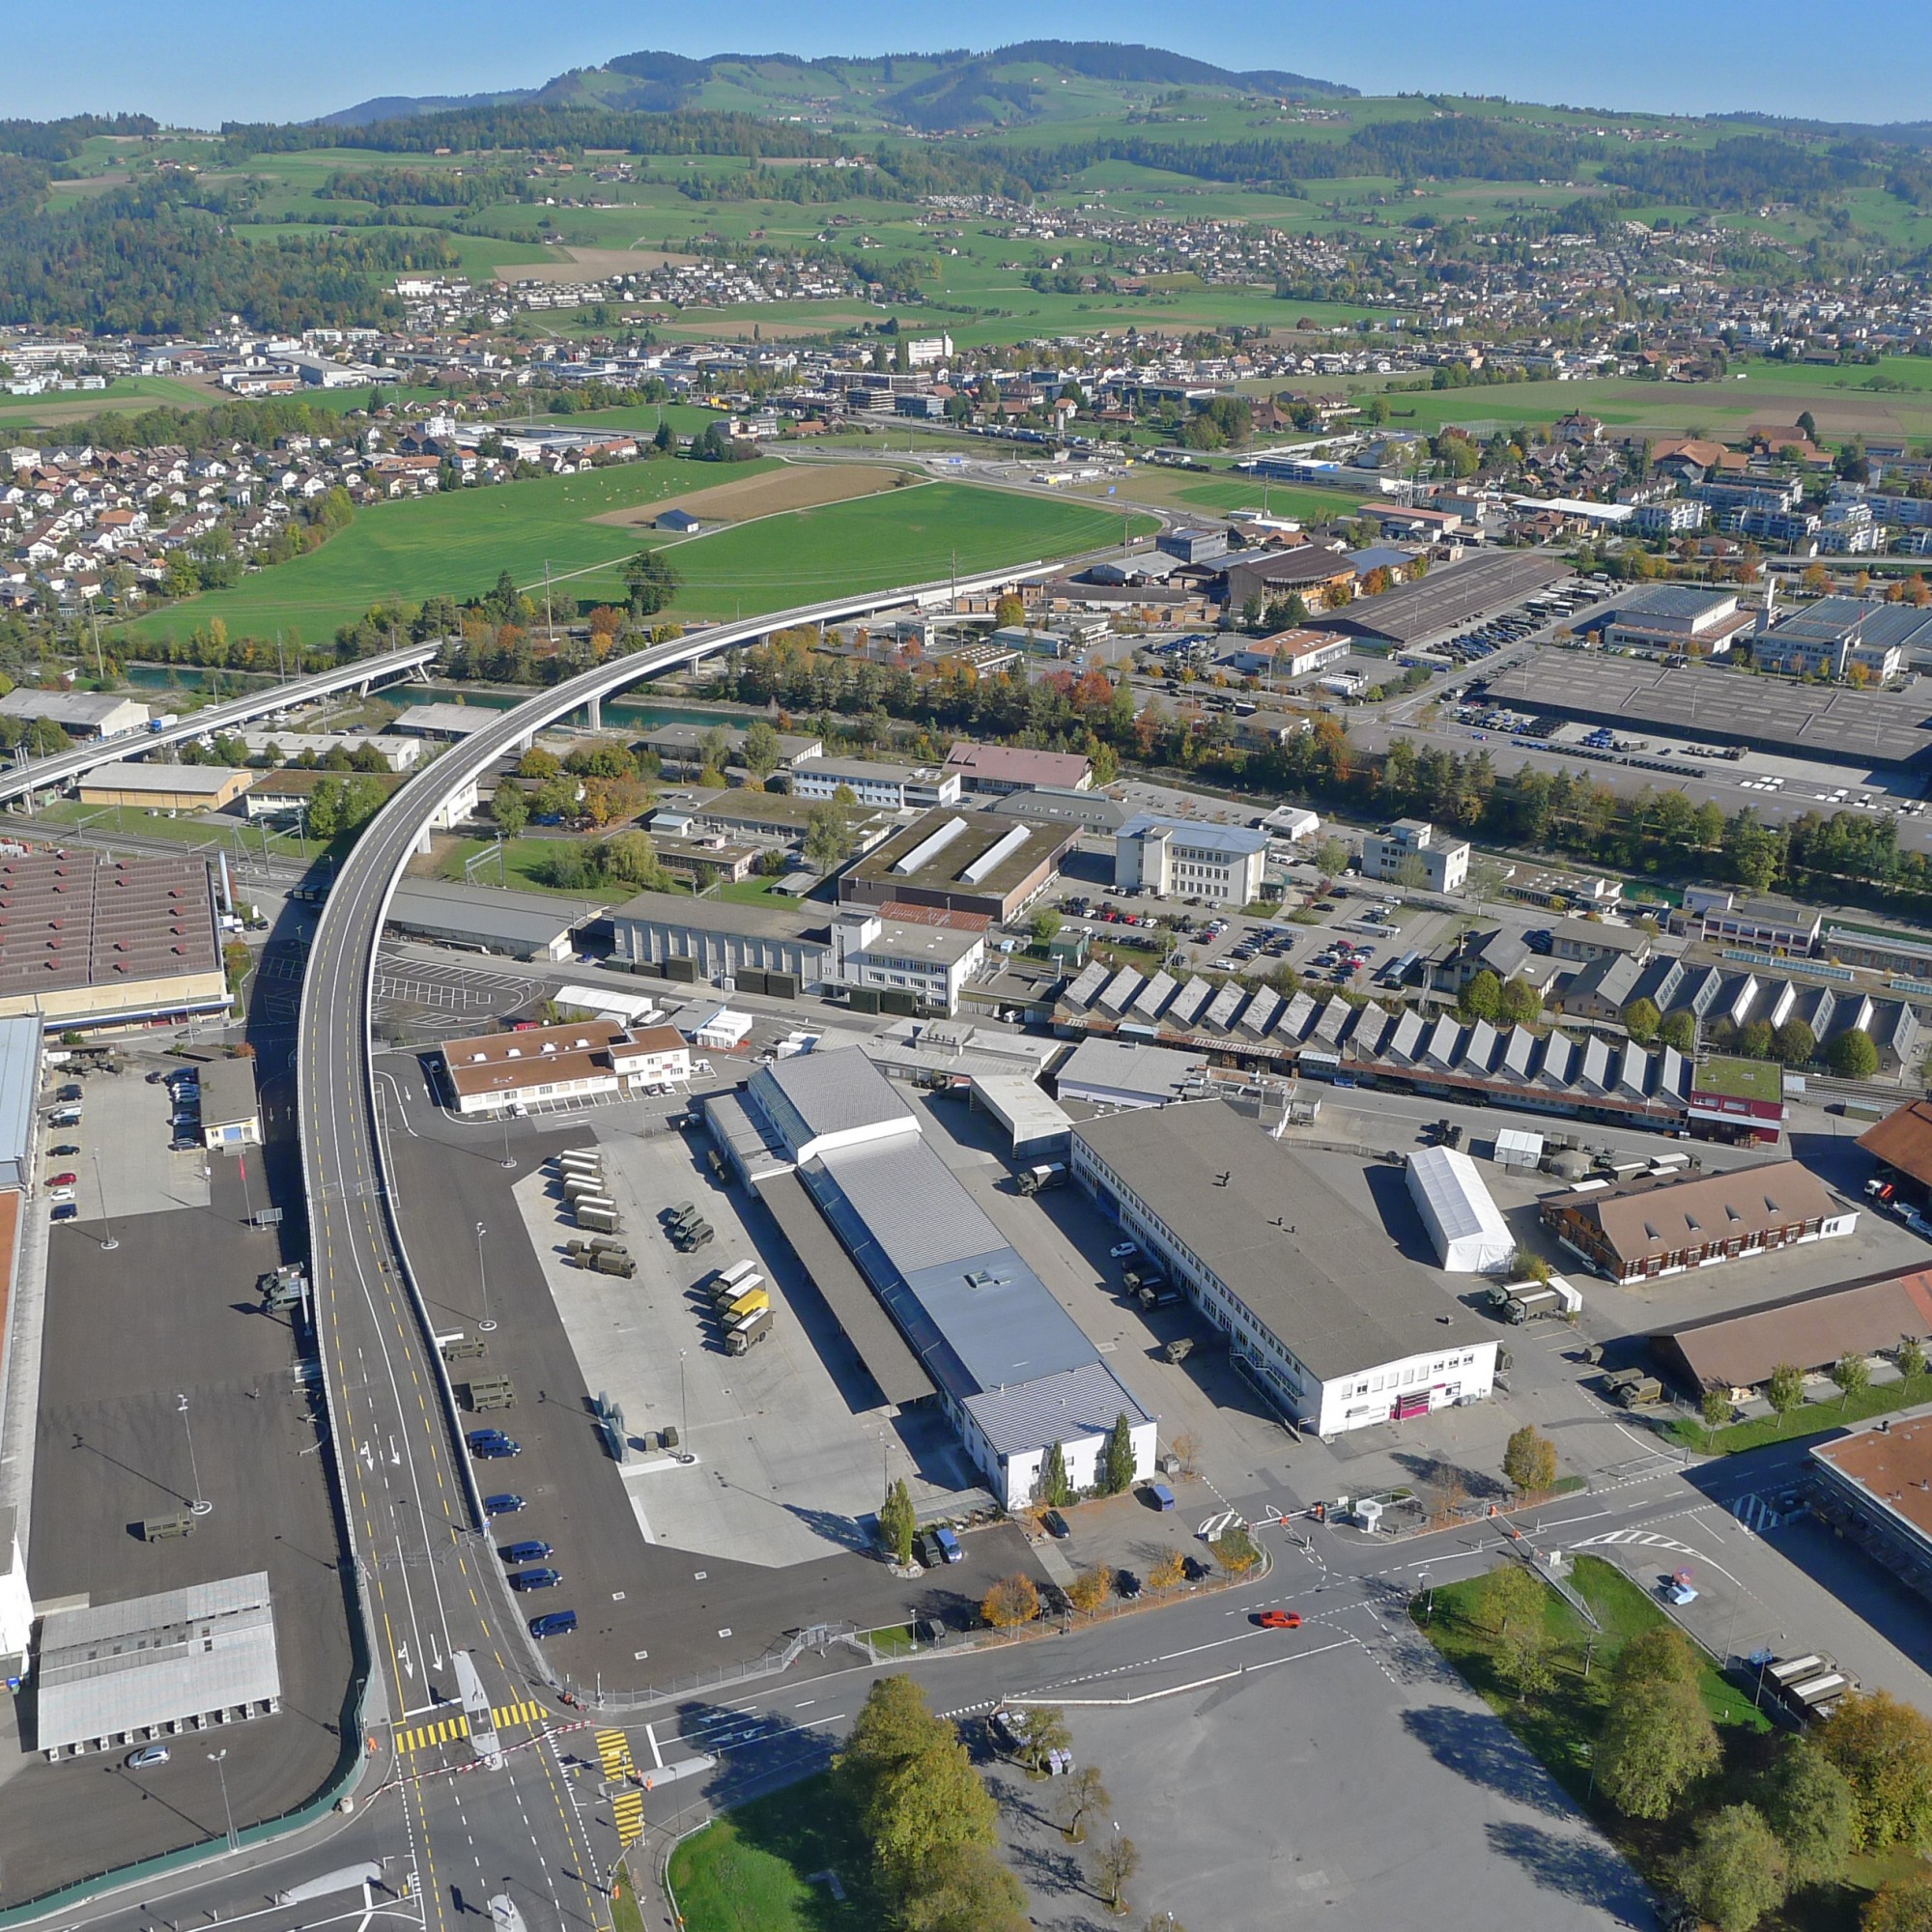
(1518, 1149)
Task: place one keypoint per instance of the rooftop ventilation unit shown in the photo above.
(929, 848)
(1002, 848)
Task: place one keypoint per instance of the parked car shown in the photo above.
(65, 1181)
(1128, 1584)
(1055, 1525)
(504, 1505)
(66, 1212)
(488, 1446)
(536, 1580)
(522, 1552)
(60, 1194)
(1120, 1251)
(146, 1757)
(558, 1623)
(64, 1151)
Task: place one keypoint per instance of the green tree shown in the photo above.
(1520, 1005)
(650, 582)
(1794, 1043)
(1331, 858)
(324, 809)
(1786, 1390)
(1904, 1905)
(1118, 1462)
(1046, 926)
(538, 764)
(1884, 1750)
(1660, 1654)
(1852, 1375)
(1080, 1795)
(1807, 1802)
(1046, 1732)
(1056, 1490)
(1715, 1409)
(1910, 1357)
(1657, 1741)
(913, 1785)
(1642, 1019)
(897, 1522)
(1678, 1030)
(827, 836)
(761, 750)
(1512, 1595)
(965, 1889)
(1734, 1871)
(1482, 999)
(632, 858)
(1852, 1056)
(714, 748)
(556, 797)
(1529, 1462)
(1116, 1861)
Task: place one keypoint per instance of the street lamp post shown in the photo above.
(215, 1759)
(107, 1242)
(200, 1505)
(509, 1161)
(483, 1280)
(683, 1407)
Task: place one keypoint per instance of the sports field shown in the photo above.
(456, 545)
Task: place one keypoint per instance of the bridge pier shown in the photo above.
(593, 714)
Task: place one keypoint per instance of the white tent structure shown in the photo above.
(1466, 1225)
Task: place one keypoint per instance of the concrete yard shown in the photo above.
(125, 1126)
(792, 1444)
(171, 1312)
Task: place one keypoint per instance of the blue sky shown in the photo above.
(200, 61)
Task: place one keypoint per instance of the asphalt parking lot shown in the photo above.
(171, 1312)
(651, 1615)
(652, 1343)
(1351, 1779)
(126, 1167)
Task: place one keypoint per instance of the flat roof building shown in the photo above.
(1012, 1370)
(1875, 1485)
(116, 1674)
(881, 783)
(1446, 600)
(1664, 1225)
(518, 926)
(1112, 1074)
(20, 1101)
(1318, 1303)
(1684, 618)
(231, 1116)
(444, 721)
(165, 788)
(1178, 858)
(962, 861)
(80, 713)
(1413, 844)
(87, 941)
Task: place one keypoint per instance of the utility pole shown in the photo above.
(549, 629)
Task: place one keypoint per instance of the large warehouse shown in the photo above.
(1317, 1302)
(1011, 1368)
(88, 942)
(960, 861)
(1446, 600)
(1708, 705)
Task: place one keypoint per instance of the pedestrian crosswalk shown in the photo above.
(1756, 1514)
(454, 1729)
(627, 1802)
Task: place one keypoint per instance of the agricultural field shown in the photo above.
(131, 393)
(455, 545)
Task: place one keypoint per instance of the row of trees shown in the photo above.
(1859, 1781)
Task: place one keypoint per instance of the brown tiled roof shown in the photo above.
(1903, 1140)
(1855, 1318)
(1660, 1217)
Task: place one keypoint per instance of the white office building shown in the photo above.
(877, 783)
(1444, 863)
(1174, 858)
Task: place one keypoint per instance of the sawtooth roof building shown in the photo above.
(969, 1322)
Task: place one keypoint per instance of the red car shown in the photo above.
(65, 1181)
(1280, 1620)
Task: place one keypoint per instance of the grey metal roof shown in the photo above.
(155, 1661)
(1188, 1002)
(1103, 1069)
(1086, 1401)
(19, 1089)
(1086, 989)
(857, 1310)
(820, 1094)
(1236, 840)
(228, 1092)
(531, 919)
(1671, 600)
(975, 1313)
(1329, 1284)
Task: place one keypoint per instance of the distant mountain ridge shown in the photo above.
(1027, 82)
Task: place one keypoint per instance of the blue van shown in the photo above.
(1161, 1496)
(949, 1543)
(558, 1623)
(523, 1553)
